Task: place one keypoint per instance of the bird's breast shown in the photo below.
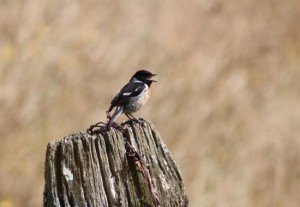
(138, 103)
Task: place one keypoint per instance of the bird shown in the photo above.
(132, 97)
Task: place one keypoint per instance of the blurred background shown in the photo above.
(226, 102)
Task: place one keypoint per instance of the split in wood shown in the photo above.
(134, 157)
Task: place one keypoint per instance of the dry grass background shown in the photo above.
(226, 102)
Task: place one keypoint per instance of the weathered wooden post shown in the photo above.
(130, 167)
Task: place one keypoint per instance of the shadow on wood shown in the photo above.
(85, 170)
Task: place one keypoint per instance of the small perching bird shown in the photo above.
(131, 97)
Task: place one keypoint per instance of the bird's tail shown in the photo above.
(118, 111)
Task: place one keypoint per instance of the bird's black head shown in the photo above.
(144, 76)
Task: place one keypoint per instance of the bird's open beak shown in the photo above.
(154, 80)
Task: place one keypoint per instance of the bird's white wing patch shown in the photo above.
(127, 94)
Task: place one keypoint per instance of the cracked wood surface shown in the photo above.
(85, 170)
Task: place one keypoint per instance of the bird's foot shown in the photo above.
(142, 122)
(134, 120)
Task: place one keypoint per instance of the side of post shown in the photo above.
(115, 168)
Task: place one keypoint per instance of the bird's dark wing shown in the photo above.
(130, 90)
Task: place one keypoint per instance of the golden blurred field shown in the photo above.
(226, 102)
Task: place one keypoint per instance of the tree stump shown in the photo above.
(130, 167)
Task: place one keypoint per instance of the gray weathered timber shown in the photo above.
(85, 170)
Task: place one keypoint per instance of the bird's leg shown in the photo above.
(139, 120)
(132, 118)
(129, 117)
(100, 126)
(108, 115)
